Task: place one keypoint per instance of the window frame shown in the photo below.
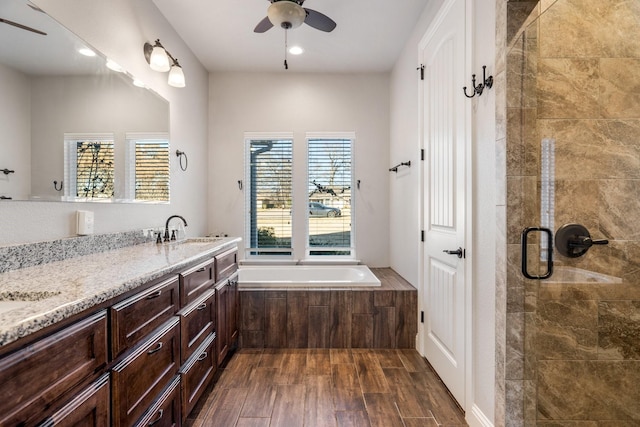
(286, 254)
(351, 136)
(131, 141)
(70, 182)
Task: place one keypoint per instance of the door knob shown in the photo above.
(458, 252)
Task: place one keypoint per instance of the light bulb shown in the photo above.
(176, 76)
(159, 61)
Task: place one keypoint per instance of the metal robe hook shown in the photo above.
(487, 82)
(240, 184)
(55, 185)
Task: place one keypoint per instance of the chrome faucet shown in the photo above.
(166, 227)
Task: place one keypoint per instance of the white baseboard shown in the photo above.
(476, 418)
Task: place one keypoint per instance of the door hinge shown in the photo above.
(422, 317)
(421, 68)
(422, 235)
(422, 154)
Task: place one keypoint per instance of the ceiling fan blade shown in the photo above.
(263, 25)
(319, 21)
(23, 27)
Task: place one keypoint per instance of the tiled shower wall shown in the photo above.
(569, 353)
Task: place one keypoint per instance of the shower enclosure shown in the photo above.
(572, 341)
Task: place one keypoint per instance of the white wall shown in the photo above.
(119, 28)
(405, 191)
(298, 103)
(15, 123)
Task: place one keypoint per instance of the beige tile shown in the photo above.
(620, 87)
(619, 330)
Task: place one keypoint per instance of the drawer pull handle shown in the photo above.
(158, 347)
(160, 414)
(202, 356)
(202, 306)
(154, 295)
(200, 270)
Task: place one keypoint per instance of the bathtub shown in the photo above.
(305, 276)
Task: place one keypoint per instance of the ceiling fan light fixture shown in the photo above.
(296, 50)
(286, 14)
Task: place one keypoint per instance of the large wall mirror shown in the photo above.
(71, 128)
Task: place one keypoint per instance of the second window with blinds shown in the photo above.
(326, 206)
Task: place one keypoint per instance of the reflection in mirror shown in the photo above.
(66, 117)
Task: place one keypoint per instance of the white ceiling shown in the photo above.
(369, 36)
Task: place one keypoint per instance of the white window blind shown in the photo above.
(89, 166)
(330, 204)
(268, 194)
(148, 172)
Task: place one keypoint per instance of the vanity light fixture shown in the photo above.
(114, 66)
(86, 52)
(159, 59)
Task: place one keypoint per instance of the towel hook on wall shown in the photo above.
(55, 185)
(487, 82)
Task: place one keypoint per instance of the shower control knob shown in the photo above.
(574, 240)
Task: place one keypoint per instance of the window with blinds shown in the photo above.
(89, 166)
(330, 207)
(269, 194)
(148, 171)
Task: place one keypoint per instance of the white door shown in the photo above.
(444, 133)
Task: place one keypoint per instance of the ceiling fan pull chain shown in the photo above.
(286, 66)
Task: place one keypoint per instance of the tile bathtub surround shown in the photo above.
(21, 256)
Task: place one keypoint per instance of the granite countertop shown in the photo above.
(36, 297)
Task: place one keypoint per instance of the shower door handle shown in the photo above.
(525, 235)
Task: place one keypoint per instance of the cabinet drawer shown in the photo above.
(226, 264)
(90, 408)
(140, 377)
(196, 323)
(134, 318)
(34, 377)
(165, 412)
(197, 373)
(195, 282)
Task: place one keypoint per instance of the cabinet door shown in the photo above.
(134, 318)
(90, 408)
(197, 323)
(222, 296)
(35, 377)
(144, 373)
(195, 282)
(232, 312)
(197, 373)
(165, 412)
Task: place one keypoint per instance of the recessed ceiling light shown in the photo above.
(296, 50)
(86, 52)
(114, 66)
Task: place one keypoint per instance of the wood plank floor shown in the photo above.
(326, 388)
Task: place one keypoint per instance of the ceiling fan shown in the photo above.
(23, 27)
(290, 14)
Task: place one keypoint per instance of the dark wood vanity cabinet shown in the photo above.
(39, 376)
(91, 407)
(227, 316)
(135, 317)
(145, 358)
(196, 281)
(138, 378)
